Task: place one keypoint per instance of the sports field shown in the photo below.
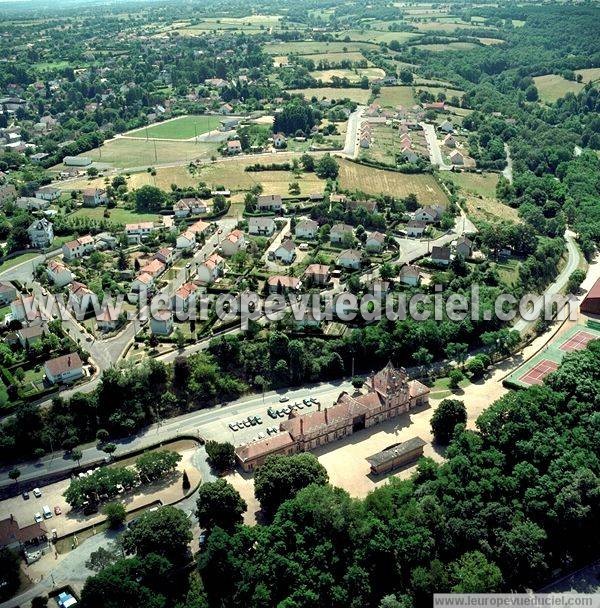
(354, 176)
(360, 96)
(537, 368)
(552, 87)
(126, 152)
(184, 127)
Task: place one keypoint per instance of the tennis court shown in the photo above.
(577, 341)
(536, 374)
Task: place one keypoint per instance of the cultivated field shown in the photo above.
(378, 181)
(390, 97)
(125, 153)
(490, 41)
(444, 26)
(552, 87)
(184, 127)
(360, 96)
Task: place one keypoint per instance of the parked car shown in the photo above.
(37, 492)
(314, 400)
(258, 419)
(25, 495)
(38, 518)
(46, 511)
(234, 426)
(57, 510)
(272, 412)
(283, 399)
(252, 421)
(307, 402)
(247, 423)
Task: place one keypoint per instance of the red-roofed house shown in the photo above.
(65, 369)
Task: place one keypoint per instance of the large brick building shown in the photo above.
(389, 394)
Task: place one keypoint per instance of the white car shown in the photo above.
(38, 518)
(37, 492)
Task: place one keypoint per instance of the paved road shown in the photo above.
(435, 154)
(211, 423)
(351, 144)
(508, 170)
(559, 283)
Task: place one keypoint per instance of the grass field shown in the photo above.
(490, 41)
(312, 47)
(552, 87)
(378, 181)
(589, 74)
(450, 46)
(390, 97)
(140, 153)
(447, 91)
(351, 75)
(479, 190)
(233, 176)
(360, 96)
(336, 57)
(375, 36)
(483, 184)
(118, 215)
(184, 127)
(444, 26)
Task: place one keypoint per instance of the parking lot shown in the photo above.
(67, 521)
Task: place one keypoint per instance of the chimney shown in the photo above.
(69, 361)
(326, 416)
(301, 427)
(319, 407)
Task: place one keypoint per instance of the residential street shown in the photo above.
(435, 154)
(354, 120)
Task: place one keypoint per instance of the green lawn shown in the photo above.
(184, 127)
(4, 311)
(117, 215)
(18, 260)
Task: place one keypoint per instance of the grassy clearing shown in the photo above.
(390, 97)
(127, 153)
(441, 388)
(447, 91)
(509, 271)
(378, 181)
(483, 184)
(552, 87)
(589, 74)
(442, 26)
(491, 41)
(233, 176)
(449, 46)
(16, 261)
(118, 215)
(360, 96)
(336, 57)
(351, 75)
(311, 47)
(184, 127)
